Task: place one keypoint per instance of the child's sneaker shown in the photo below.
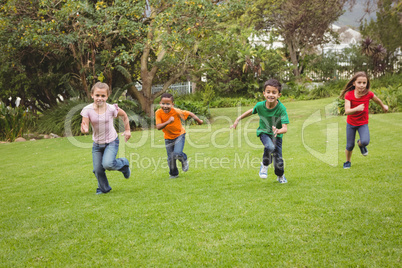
(282, 179)
(347, 165)
(263, 171)
(363, 149)
(126, 172)
(173, 177)
(184, 166)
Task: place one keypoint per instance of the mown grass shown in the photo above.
(219, 213)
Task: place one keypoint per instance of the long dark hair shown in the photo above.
(349, 86)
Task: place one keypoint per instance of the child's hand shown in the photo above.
(200, 122)
(234, 125)
(127, 135)
(360, 108)
(275, 130)
(171, 120)
(84, 127)
(385, 108)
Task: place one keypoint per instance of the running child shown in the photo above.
(168, 119)
(272, 126)
(357, 96)
(106, 141)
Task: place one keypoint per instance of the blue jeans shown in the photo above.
(273, 151)
(351, 135)
(174, 149)
(104, 158)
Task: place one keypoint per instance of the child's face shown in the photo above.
(271, 94)
(360, 84)
(100, 96)
(166, 104)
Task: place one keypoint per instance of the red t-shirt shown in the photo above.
(358, 118)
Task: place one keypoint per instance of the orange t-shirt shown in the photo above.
(175, 129)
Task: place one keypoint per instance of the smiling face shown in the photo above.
(100, 96)
(166, 104)
(271, 94)
(360, 84)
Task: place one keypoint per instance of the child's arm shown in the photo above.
(245, 114)
(85, 125)
(127, 131)
(282, 130)
(163, 125)
(379, 102)
(199, 121)
(349, 110)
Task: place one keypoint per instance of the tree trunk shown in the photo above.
(293, 58)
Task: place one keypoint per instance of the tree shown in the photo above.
(302, 25)
(174, 33)
(385, 30)
(143, 41)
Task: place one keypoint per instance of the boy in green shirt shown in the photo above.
(273, 124)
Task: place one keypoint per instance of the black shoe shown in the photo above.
(126, 172)
(347, 165)
(363, 149)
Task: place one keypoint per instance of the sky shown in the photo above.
(351, 18)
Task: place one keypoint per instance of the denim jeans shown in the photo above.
(351, 135)
(104, 158)
(273, 150)
(174, 149)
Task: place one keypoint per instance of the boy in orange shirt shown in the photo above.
(168, 119)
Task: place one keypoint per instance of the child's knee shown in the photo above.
(350, 148)
(364, 142)
(269, 147)
(108, 165)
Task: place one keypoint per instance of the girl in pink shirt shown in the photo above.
(357, 96)
(106, 142)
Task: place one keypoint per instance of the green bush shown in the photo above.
(391, 96)
(221, 102)
(14, 122)
(386, 81)
(54, 120)
(195, 107)
(138, 119)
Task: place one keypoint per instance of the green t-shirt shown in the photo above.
(270, 117)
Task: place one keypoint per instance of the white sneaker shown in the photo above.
(282, 179)
(263, 171)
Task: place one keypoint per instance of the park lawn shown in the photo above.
(219, 213)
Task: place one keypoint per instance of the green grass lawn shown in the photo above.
(219, 213)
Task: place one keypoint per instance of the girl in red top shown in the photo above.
(357, 96)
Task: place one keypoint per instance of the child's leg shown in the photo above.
(99, 171)
(169, 144)
(178, 148)
(269, 148)
(364, 134)
(109, 161)
(278, 160)
(350, 140)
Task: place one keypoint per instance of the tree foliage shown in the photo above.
(56, 49)
(302, 24)
(384, 32)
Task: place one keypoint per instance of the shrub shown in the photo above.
(14, 122)
(391, 96)
(195, 107)
(138, 119)
(54, 120)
